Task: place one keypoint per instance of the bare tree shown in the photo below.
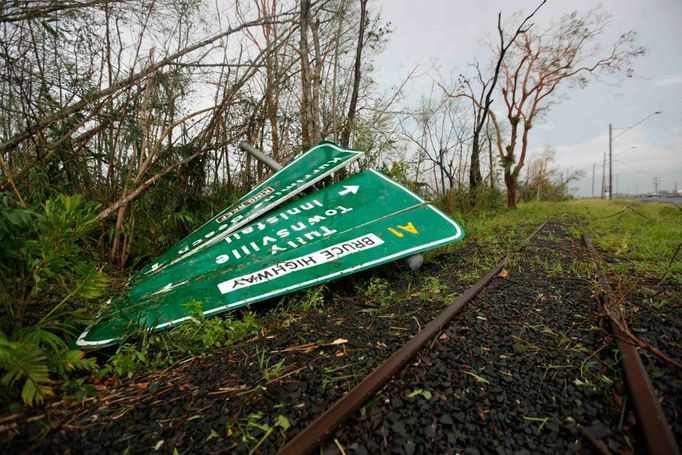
(481, 102)
(108, 98)
(540, 63)
(543, 181)
(44, 122)
(438, 130)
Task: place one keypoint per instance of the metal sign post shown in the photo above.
(260, 156)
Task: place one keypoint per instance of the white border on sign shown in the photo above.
(460, 232)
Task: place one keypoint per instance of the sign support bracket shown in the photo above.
(260, 156)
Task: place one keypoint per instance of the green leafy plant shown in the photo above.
(433, 288)
(46, 282)
(379, 291)
(127, 360)
(28, 363)
(197, 337)
(78, 388)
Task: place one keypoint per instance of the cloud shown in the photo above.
(667, 81)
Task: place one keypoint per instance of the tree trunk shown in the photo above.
(475, 177)
(307, 126)
(442, 170)
(357, 74)
(510, 182)
(491, 163)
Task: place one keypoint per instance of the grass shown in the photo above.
(643, 236)
(270, 370)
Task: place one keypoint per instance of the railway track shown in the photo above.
(312, 436)
(521, 362)
(650, 418)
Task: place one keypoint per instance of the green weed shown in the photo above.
(78, 388)
(555, 270)
(329, 379)
(306, 300)
(127, 360)
(433, 289)
(585, 269)
(269, 370)
(420, 393)
(380, 292)
(246, 431)
(198, 337)
(645, 236)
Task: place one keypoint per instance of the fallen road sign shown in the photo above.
(303, 172)
(232, 278)
(358, 199)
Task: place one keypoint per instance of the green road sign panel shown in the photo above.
(301, 173)
(359, 199)
(363, 221)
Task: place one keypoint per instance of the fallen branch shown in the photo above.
(613, 309)
(309, 347)
(45, 122)
(670, 264)
(631, 338)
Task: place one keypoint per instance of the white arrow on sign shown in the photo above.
(349, 189)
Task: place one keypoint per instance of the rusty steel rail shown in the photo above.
(650, 418)
(311, 437)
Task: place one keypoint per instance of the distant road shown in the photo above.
(672, 200)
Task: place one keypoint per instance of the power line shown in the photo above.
(630, 127)
(611, 138)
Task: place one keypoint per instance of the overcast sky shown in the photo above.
(452, 34)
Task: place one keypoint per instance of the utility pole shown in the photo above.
(656, 181)
(603, 175)
(617, 186)
(594, 167)
(611, 147)
(610, 162)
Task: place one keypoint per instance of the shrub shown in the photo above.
(46, 280)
